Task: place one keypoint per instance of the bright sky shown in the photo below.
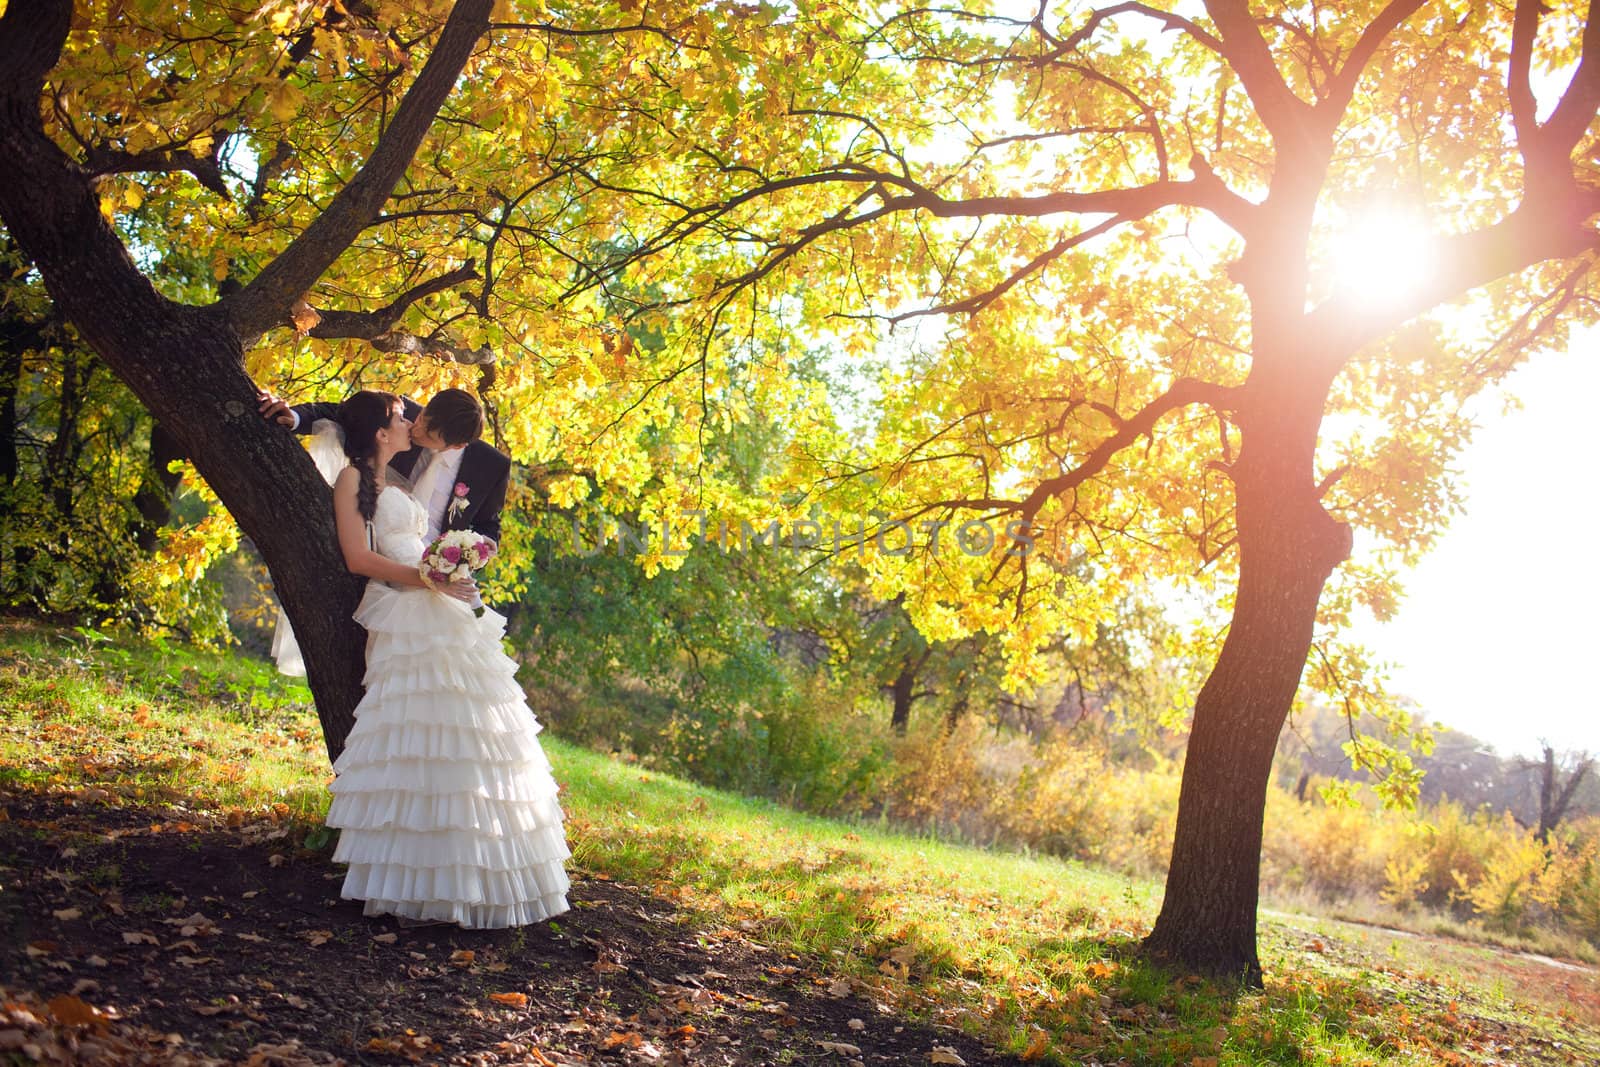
(1498, 630)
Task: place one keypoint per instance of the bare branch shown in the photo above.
(1168, 21)
(269, 169)
(978, 301)
(595, 31)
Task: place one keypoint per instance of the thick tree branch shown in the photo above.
(1524, 119)
(367, 325)
(1343, 85)
(1247, 53)
(265, 302)
(101, 161)
(1184, 392)
(411, 344)
(1576, 110)
(31, 35)
(1554, 227)
(1168, 20)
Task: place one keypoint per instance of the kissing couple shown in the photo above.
(443, 797)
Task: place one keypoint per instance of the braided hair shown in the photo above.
(362, 416)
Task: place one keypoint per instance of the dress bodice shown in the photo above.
(398, 526)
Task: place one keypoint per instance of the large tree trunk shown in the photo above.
(1288, 546)
(186, 364)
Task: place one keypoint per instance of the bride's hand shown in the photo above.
(462, 589)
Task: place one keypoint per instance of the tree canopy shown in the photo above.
(1096, 264)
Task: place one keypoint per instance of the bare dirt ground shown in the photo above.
(147, 935)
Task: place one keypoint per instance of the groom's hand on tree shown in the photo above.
(275, 409)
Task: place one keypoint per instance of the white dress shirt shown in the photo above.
(436, 486)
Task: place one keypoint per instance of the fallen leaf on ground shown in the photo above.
(1038, 1045)
(318, 937)
(196, 925)
(385, 939)
(618, 1039)
(946, 1054)
(194, 961)
(462, 957)
(840, 1048)
(511, 1000)
(856, 1024)
(71, 1011)
(139, 937)
(68, 914)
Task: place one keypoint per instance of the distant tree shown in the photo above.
(1103, 243)
(1559, 780)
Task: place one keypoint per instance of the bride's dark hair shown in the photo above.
(362, 416)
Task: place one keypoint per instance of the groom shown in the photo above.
(458, 477)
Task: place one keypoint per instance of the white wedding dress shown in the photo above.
(443, 798)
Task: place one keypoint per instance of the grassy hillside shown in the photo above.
(1031, 956)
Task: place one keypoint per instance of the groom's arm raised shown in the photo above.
(298, 418)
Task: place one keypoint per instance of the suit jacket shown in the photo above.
(485, 471)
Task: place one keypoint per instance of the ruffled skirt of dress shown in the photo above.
(444, 800)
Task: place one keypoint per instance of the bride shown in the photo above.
(443, 798)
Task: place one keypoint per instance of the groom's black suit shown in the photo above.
(485, 470)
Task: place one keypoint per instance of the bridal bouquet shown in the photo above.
(454, 555)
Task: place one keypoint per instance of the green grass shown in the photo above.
(1031, 954)
(156, 723)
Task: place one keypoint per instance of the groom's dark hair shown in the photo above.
(455, 415)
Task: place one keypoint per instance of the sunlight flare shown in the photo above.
(1384, 257)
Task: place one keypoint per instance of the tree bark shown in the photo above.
(1553, 801)
(1288, 546)
(153, 501)
(186, 364)
(900, 698)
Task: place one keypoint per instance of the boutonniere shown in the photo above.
(458, 500)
